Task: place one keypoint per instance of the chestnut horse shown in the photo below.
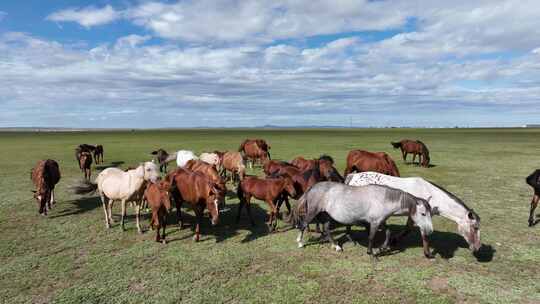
(255, 149)
(83, 148)
(362, 161)
(85, 163)
(533, 180)
(272, 166)
(270, 190)
(415, 147)
(325, 164)
(157, 197)
(197, 190)
(45, 175)
(212, 174)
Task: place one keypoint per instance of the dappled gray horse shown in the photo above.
(447, 204)
(372, 204)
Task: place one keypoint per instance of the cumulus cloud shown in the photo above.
(88, 16)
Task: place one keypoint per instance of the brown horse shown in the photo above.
(270, 167)
(158, 198)
(270, 190)
(254, 150)
(45, 175)
(232, 162)
(85, 163)
(98, 154)
(415, 147)
(83, 148)
(362, 161)
(197, 190)
(161, 156)
(325, 164)
(533, 180)
(209, 171)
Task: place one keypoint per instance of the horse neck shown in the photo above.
(448, 206)
(135, 180)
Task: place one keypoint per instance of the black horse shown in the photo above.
(161, 156)
(533, 180)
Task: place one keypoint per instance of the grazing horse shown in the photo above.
(98, 154)
(45, 175)
(362, 161)
(325, 164)
(161, 157)
(197, 190)
(372, 204)
(85, 163)
(114, 184)
(83, 148)
(533, 180)
(234, 163)
(445, 203)
(255, 149)
(159, 200)
(212, 174)
(270, 167)
(211, 159)
(270, 190)
(183, 156)
(415, 147)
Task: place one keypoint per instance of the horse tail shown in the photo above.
(242, 146)
(85, 187)
(533, 180)
(392, 166)
(396, 144)
(297, 214)
(240, 192)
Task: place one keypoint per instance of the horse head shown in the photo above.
(469, 228)
(150, 171)
(212, 202)
(420, 212)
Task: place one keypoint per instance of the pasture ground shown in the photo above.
(69, 256)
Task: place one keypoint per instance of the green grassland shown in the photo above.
(69, 256)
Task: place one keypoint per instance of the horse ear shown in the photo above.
(429, 198)
(34, 191)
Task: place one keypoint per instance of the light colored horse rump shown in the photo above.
(210, 158)
(183, 156)
(114, 184)
(448, 205)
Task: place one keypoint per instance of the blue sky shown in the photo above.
(215, 63)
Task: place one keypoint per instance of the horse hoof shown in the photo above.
(338, 248)
(429, 255)
(300, 245)
(163, 242)
(531, 223)
(195, 238)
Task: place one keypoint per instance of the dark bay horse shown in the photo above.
(45, 175)
(98, 154)
(161, 156)
(325, 164)
(349, 205)
(272, 166)
(362, 161)
(83, 148)
(533, 180)
(415, 147)
(255, 150)
(158, 199)
(197, 190)
(85, 163)
(270, 190)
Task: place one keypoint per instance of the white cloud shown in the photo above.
(88, 16)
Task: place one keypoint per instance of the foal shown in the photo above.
(85, 163)
(270, 190)
(157, 196)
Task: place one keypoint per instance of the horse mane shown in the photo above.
(456, 199)
(392, 164)
(396, 144)
(327, 158)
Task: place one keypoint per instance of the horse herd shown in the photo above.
(370, 191)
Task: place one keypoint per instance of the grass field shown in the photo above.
(69, 256)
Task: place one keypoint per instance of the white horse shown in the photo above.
(117, 185)
(210, 158)
(448, 205)
(183, 156)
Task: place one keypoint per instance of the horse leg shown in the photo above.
(328, 236)
(288, 205)
(105, 210)
(240, 206)
(273, 218)
(413, 157)
(137, 215)
(349, 234)
(384, 246)
(248, 207)
(109, 210)
(199, 215)
(179, 213)
(123, 213)
(52, 197)
(534, 204)
(163, 224)
(408, 228)
(372, 232)
(404, 155)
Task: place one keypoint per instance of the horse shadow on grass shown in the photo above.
(79, 206)
(114, 164)
(444, 244)
(410, 163)
(225, 229)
